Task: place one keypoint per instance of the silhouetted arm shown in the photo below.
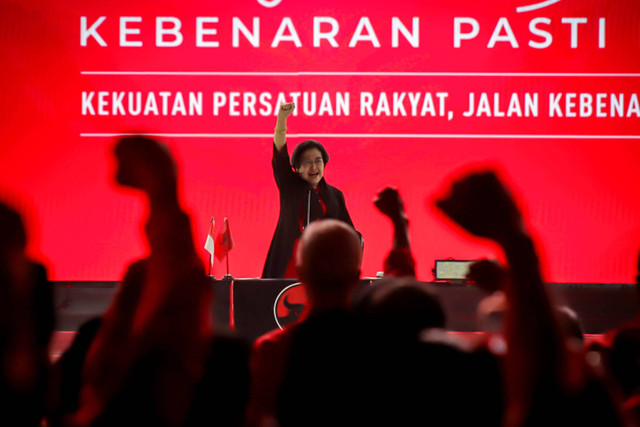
(280, 131)
(536, 352)
(389, 203)
(399, 261)
(165, 302)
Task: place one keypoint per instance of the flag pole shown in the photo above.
(225, 241)
(210, 254)
(210, 248)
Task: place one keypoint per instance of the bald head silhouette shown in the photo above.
(329, 258)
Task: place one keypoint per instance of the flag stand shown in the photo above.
(228, 276)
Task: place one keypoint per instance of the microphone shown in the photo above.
(308, 208)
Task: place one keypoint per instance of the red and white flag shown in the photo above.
(224, 241)
(209, 245)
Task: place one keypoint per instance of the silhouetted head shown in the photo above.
(309, 159)
(144, 163)
(328, 258)
(403, 304)
(623, 359)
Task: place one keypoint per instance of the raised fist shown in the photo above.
(286, 109)
(480, 204)
(389, 203)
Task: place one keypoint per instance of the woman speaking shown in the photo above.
(304, 196)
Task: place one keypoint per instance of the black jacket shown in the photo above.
(294, 192)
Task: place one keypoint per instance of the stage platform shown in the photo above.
(252, 307)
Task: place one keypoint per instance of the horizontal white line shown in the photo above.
(348, 73)
(536, 6)
(182, 135)
(363, 135)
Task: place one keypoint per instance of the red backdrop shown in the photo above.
(555, 88)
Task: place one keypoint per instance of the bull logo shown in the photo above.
(289, 305)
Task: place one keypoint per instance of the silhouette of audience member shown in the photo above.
(68, 370)
(399, 261)
(221, 394)
(619, 353)
(66, 380)
(148, 361)
(412, 364)
(414, 370)
(546, 383)
(400, 308)
(26, 325)
(399, 303)
(328, 264)
(490, 277)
